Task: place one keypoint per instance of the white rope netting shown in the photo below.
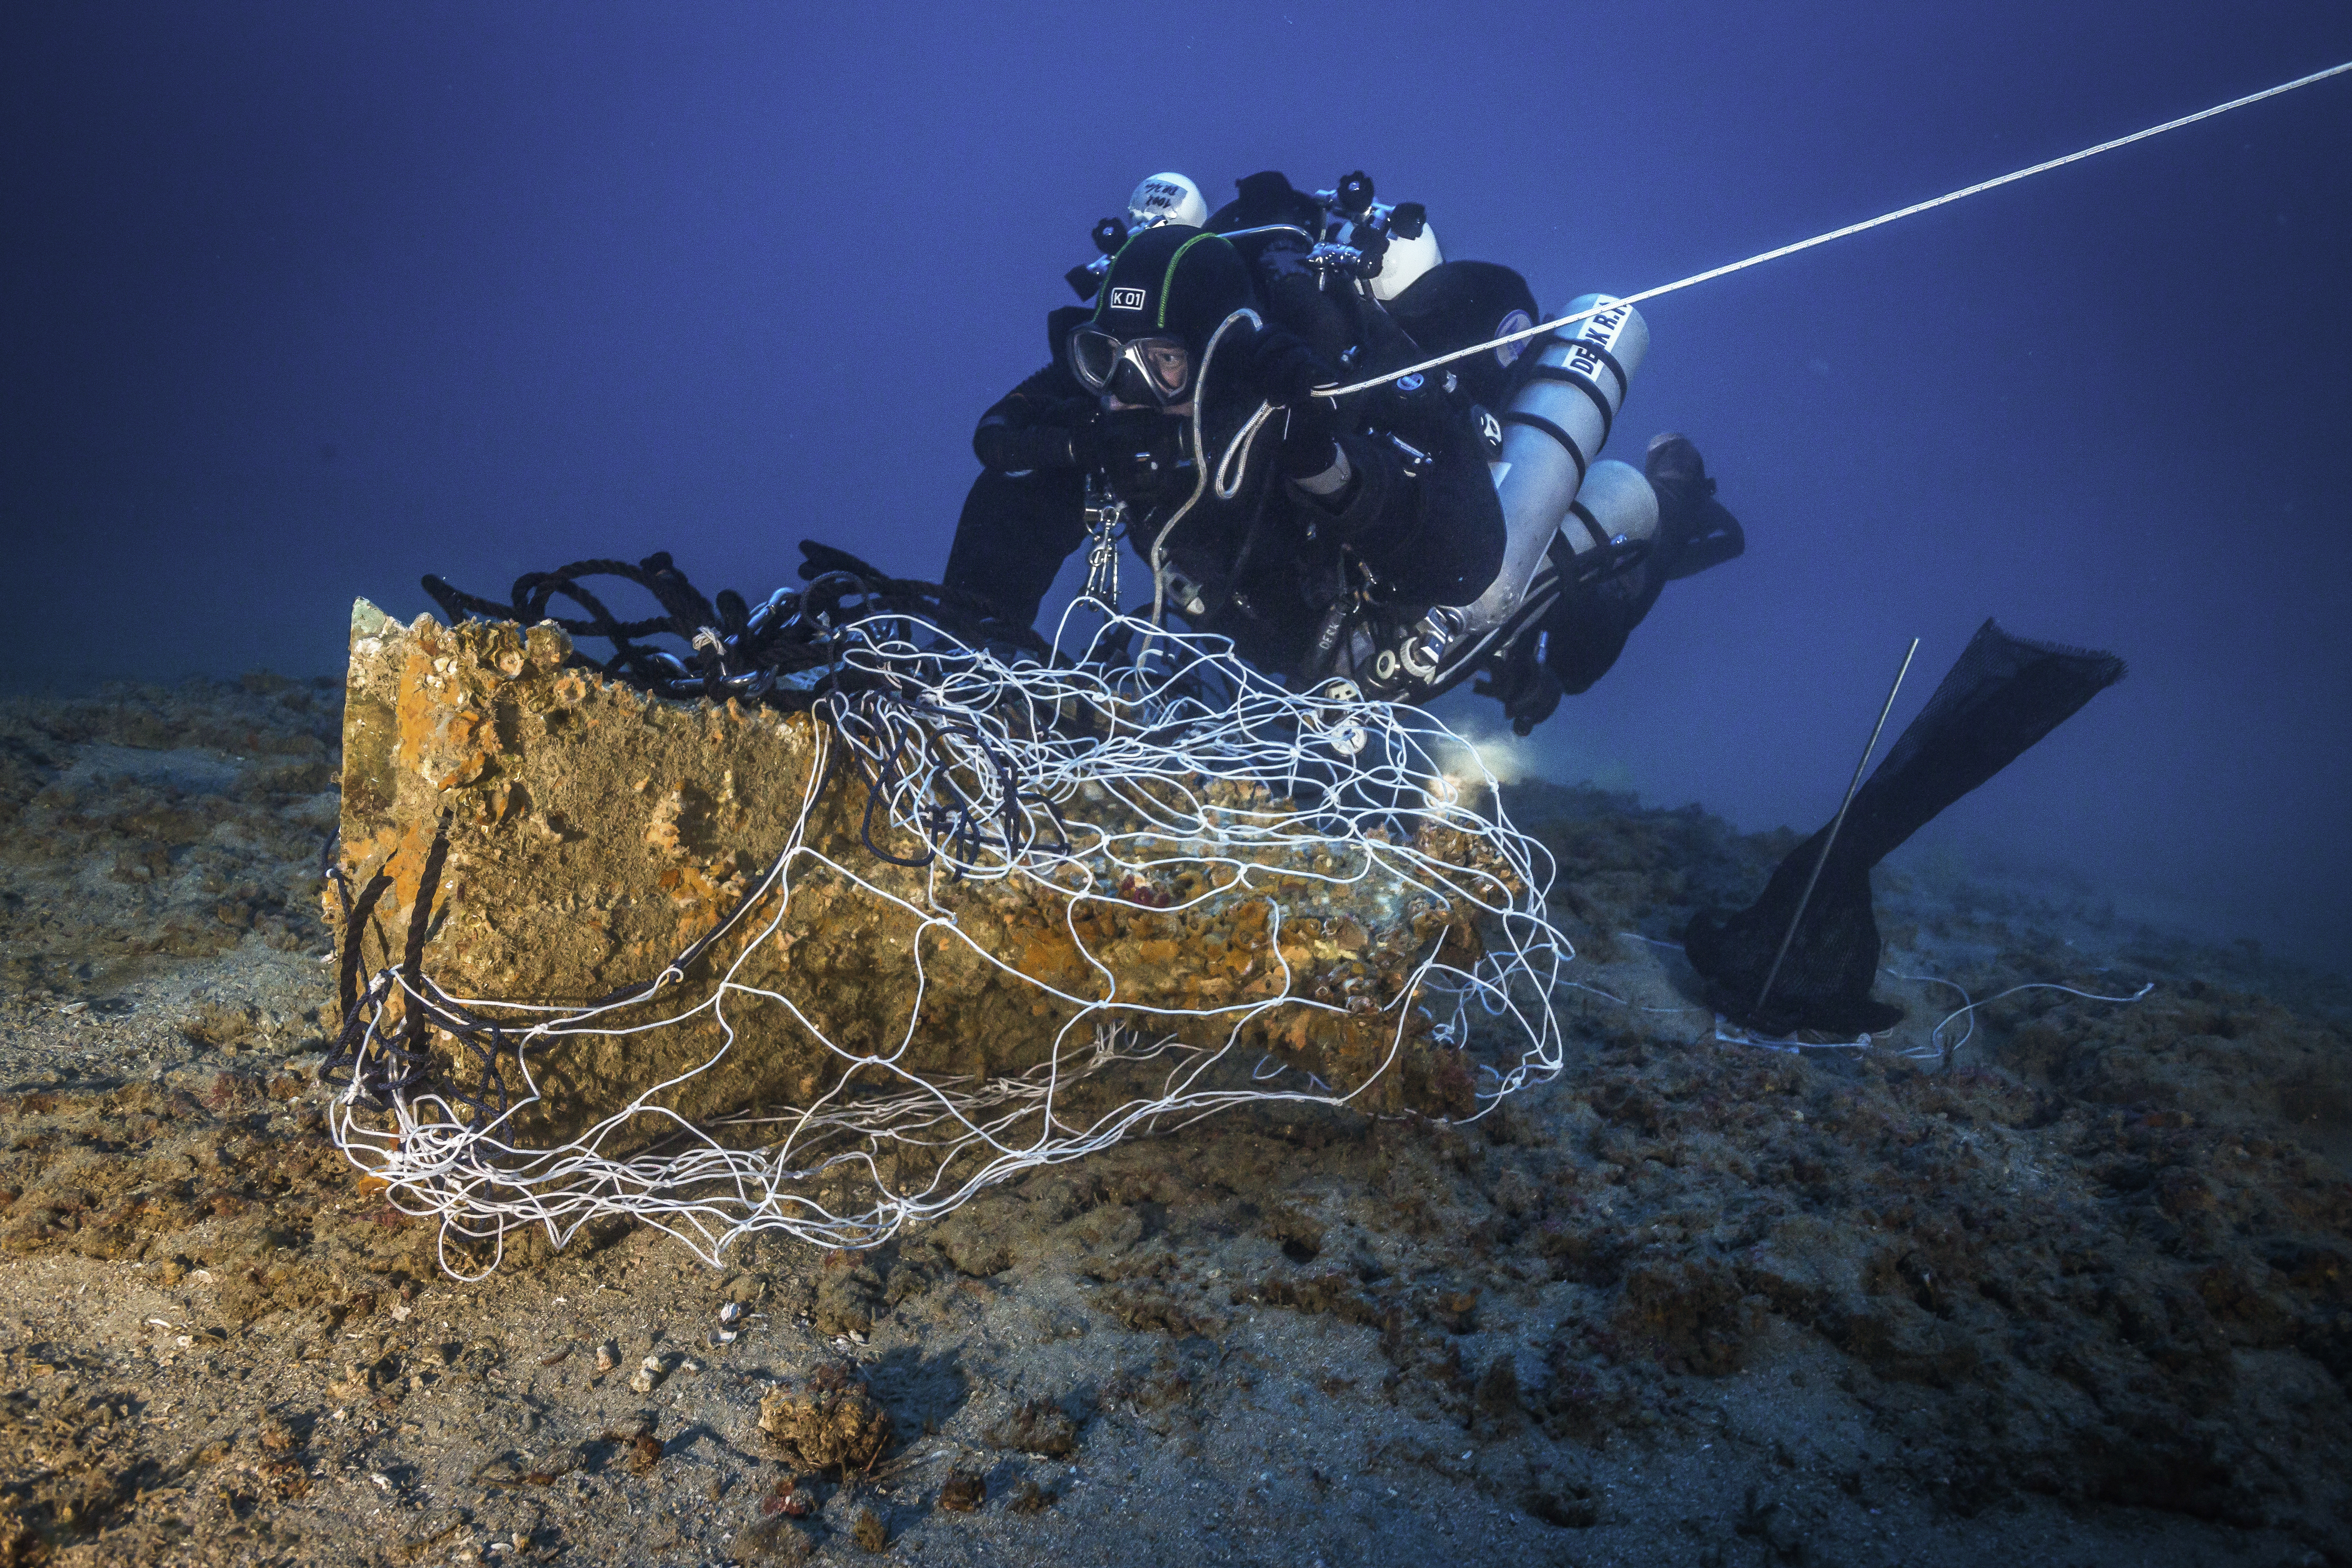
(1108, 779)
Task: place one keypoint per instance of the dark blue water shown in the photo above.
(301, 303)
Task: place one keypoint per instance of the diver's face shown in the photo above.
(1164, 365)
(1182, 411)
(1170, 364)
(1152, 371)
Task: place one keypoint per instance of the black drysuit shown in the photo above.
(1022, 516)
(1418, 520)
(1585, 632)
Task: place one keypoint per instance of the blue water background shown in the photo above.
(297, 302)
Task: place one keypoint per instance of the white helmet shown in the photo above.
(1166, 198)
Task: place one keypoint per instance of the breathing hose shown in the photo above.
(1200, 462)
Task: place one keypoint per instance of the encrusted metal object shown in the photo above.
(576, 836)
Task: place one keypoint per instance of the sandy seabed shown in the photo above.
(2078, 1292)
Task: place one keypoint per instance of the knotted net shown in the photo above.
(1021, 903)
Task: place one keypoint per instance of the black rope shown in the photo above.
(730, 649)
(420, 925)
(875, 783)
(355, 918)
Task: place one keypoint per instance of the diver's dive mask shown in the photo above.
(1153, 371)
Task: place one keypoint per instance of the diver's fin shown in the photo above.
(2004, 694)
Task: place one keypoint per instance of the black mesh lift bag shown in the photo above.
(2002, 696)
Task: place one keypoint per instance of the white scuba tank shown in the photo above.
(1615, 510)
(1166, 198)
(1405, 261)
(1552, 433)
(1407, 246)
(1615, 514)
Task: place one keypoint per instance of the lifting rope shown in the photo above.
(1775, 253)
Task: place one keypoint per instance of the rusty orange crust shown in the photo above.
(595, 833)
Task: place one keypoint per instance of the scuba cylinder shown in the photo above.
(1611, 527)
(1406, 260)
(1167, 197)
(1612, 524)
(1551, 432)
(1395, 239)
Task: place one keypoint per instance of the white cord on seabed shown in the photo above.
(1932, 1049)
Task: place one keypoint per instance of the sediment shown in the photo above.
(2084, 1288)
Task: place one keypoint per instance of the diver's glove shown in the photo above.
(1082, 418)
(1312, 456)
(1139, 451)
(1284, 368)
(1057, 434)
(1523, 684)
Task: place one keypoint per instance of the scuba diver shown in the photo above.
(1405, 536)
(1146, 390)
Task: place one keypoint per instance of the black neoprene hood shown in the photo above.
(1175, 280)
